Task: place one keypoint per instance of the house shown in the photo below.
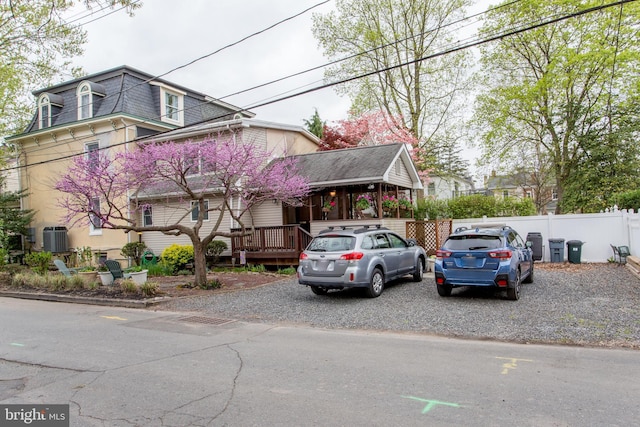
(448, 186)
(281, 231)
(117, 109)
(102, 111)
(522, 185)
(276, 138)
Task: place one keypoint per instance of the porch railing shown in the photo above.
(282, 243)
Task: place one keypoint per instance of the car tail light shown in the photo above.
(303, 256)
(502, 282)
(352, 256)
(440, 253)
(503, 254)
(440, 280)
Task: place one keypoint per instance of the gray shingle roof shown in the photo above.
(350, 165)
(129, 91)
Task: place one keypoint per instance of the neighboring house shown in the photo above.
(447, 187)
(102, 111)
(521, 185)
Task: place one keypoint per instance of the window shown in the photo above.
(92, 151)
(505, 193)
(147, 216)
(84, 102)
(171, 106)
(44, 112)
(431, 189)
(195, 211)
(554, 194)
(95, 221)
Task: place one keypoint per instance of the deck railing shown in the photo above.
(282, 243)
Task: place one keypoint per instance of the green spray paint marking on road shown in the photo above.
(15, 344)
(431, 403)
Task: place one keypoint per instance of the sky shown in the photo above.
(166, 34)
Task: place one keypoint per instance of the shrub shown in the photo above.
(128, 286)
(149, 289)
(628, 200)
(211, 284)
(159, 269)
(39, 261)
(3, 257)
(288, 270)
(176, 257)
(215, 248)
(133, 250)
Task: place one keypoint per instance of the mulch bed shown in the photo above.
(169, 286)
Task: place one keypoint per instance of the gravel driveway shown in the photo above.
(586, 304)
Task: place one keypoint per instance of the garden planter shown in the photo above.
(88, 276)
(139, 277)
(106, 277)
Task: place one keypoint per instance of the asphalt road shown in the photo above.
(128, 367)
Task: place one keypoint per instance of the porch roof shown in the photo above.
(359, 165)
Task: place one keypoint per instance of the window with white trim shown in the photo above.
(92, 152)
(95, 226)
(147, 216)
(171, 107)
(195, 210)
(44, 112)
(84, 102)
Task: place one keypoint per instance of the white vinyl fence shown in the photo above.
(596, 231)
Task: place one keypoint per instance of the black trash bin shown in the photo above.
(536, 244)
(574, 251)
(556, 250)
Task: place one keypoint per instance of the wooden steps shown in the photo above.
(633, 264)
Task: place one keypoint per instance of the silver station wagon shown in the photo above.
(367, 257)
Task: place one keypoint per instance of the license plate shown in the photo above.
(324, 265)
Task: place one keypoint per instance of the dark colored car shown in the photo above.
(366, 257)
(494, 256)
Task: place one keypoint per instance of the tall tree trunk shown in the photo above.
(200, 264)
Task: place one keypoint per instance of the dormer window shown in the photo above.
(84, 102)
(44, 112)
(171, 104)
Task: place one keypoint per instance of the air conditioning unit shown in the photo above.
(54, 239)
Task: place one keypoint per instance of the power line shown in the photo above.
(457, 48)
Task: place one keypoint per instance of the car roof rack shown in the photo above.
(367, 227)
(334, 228)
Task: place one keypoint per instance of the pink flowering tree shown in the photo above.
(210, 178)
(375, 128)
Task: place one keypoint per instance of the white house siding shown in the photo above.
(289, 143)
(399, 174)
(444, 188)
(267, 214)
(397, 225)
(164, 214)
(256, 137)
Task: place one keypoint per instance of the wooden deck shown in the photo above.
(277, 245)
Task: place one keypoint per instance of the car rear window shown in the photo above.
(332, 244)
(472, 242)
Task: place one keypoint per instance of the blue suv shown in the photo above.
(484, 255)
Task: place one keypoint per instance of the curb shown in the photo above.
(127, 303)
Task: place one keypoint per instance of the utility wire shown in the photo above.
(346, 80)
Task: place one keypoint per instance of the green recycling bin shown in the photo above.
(574, 251)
